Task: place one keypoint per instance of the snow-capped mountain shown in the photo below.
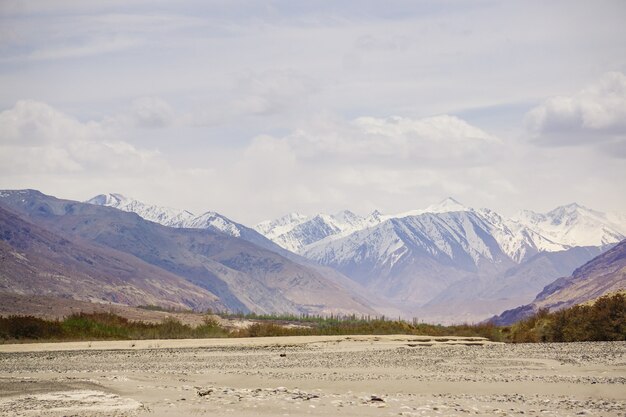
(451, 253)
(518, 241)
(406, 257)
(182, 218)
(444, 206)
(296, 231)
(162, 215)
(274, 228)
(519, 238)
(425, 261)
(575, 225)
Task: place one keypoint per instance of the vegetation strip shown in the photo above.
(605, 320)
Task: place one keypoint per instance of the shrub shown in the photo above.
(604, 320)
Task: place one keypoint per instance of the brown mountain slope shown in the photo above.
(602, 275)
(36, 261)
(244, 276)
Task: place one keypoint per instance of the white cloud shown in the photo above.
(94, 47)
(152, 112)
(314, 83)
(266, 93)
(441, 140)
(380, 163)
(31, 122)
(37, 138)
(596, 114)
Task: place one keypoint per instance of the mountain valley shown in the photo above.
(446, 263)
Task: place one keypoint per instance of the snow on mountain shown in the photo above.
(162, 215)
(575, 225)
(213, 220)
(274, 228)
(516, 240)
(412, 259)
(519, 238)
(185, 219)
(295, 231)
(444, 206)
(169, 216)
(454, 237)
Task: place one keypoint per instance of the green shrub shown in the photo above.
(604, 320)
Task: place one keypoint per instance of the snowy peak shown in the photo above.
(462, 236)
(515, 239)
(213, 220)
(447, 205)
(168, 216)
(274, 228)
(574, 225)
(348, 218)
(374, 217)
(109, 200)
(296, 231)
(454, 238)
(163, 215)
(519, 238)
(444, 206)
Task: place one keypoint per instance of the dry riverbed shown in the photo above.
(329, 376)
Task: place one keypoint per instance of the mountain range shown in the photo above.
(602, 275)
(447, 262)
(89, 252)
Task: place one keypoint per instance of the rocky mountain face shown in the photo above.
(602, 275)
(295, 231)
(185, 219)
(37, 261)
(575, 225)
(444, 263)
(449, 262)
(227, 270)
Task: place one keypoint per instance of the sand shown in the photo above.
(327, 376)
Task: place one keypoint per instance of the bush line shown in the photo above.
(603, 320)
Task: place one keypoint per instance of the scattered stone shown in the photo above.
(205, 392)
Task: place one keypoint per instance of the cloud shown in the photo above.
(287, 104)
(31, 123)
(151, 112)
(94, 47)
(595, 115)
(370, 162)
(438, 140)
(383, 43)
(37, 138)
(258, 94)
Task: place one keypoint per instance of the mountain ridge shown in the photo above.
(422, 260)
(602, 275)
(245, 276)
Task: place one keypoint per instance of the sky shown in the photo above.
(256, 109)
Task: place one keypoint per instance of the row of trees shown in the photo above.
(603, 320)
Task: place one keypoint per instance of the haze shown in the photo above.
(255, 109)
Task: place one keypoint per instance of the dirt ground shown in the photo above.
(53, 308)
(299, 376)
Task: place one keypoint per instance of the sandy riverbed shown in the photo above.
(330, 376)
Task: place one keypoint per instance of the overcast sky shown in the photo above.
(259, 108)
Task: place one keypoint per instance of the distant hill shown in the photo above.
(227, 270)
(604, 274)
(185, 219)
(449, 262)
(36, 261)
